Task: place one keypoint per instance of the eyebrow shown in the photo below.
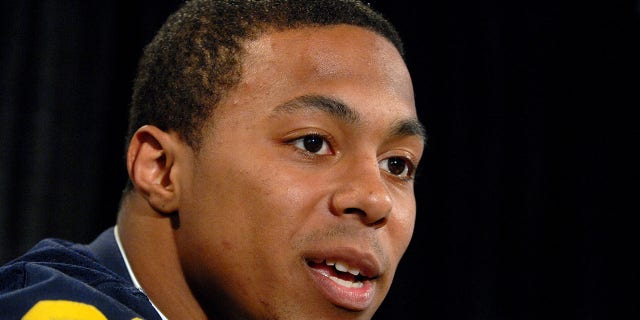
(339, 110)
(409, 127)
(334, 107)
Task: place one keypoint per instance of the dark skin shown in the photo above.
(305, 169)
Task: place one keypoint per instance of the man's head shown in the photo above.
(196, 56)
(294, 197)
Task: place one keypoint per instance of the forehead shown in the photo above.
(346, 62)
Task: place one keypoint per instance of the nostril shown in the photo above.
(354, 211)
(377, 223)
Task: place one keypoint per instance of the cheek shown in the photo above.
(242, 221)
(257, 204)
(285, 204)
(401, 224)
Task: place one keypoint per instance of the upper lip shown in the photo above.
(367, 262)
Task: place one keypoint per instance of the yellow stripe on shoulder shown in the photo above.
(63, 310)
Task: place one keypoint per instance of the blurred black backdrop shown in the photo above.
(526, 200)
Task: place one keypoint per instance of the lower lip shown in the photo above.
(356, 299)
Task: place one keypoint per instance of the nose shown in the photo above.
(363, 192)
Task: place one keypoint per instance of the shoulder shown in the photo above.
(60, 276)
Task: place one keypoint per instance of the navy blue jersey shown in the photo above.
(64, 280)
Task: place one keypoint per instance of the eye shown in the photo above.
(313, 143)
(397, 166)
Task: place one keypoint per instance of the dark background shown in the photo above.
(528, 190)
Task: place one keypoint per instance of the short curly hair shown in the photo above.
(196, 55)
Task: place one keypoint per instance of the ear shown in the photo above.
(153, 163)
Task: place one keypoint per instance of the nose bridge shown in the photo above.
(363, 192)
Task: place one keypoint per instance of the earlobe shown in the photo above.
(153, 167)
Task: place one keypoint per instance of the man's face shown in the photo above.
(303, 179)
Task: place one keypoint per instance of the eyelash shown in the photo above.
(326, 143)
(410, 168)
(298, 143)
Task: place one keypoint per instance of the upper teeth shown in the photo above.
(343, 267)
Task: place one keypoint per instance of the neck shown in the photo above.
(148, 241)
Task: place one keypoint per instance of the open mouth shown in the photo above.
(340, 273)
(342, 284)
